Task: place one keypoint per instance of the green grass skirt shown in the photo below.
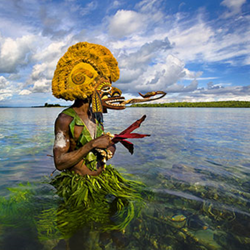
(60, 207)
(107, 201)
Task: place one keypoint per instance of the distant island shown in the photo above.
(220, 104)
(47, 105)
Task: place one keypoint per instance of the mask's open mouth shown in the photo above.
(116, 102)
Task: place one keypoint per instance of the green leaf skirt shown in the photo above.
(73, 203)
(107, 201)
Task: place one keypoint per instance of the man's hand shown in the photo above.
(102, 142)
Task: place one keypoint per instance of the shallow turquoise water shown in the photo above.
(196, 162)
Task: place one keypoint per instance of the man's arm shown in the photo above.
(62, 157)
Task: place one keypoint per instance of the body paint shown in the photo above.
(60, 141)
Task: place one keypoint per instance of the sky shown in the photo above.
(193, 50)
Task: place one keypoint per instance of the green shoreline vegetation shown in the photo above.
(219, 104)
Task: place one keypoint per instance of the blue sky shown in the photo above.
(193, 50)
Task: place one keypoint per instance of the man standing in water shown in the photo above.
(84, 74)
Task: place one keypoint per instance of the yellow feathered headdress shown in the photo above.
(77, 70)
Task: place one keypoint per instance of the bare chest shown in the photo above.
(91, 128)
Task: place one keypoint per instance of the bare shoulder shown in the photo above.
(63, 121)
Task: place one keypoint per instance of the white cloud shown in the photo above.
(49, 19)
(42, 86)
(146, 17)
(191, 42)
(129, 75)
(3, 82)
(51, 51)
(196, 40)
(5, 94)
(5, 89)
(126, 22)
(15, 52)
(25, 92)
(216, 93)
(140, 71)
(44, 70)
(141, 56)
(40, 78)
(166, 74)
(38, 71)
(234, 7)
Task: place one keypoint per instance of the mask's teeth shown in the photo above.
(112, 103)
(115, 102)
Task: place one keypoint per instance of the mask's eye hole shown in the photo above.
(105, 96)
(116, 94)
(106, 89)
